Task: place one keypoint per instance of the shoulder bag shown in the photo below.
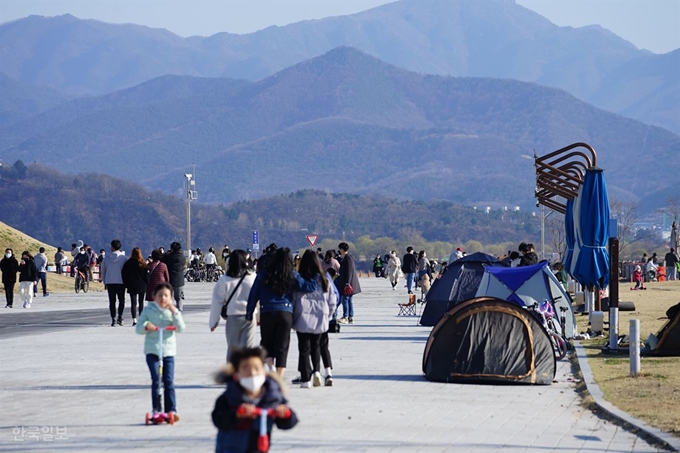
(223, 313)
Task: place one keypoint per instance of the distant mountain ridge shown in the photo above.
(345, 122)
(491, 38)
(61, 209)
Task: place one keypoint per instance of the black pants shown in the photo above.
(177, 292)
(275, 329)
(308, 348)
(324, 351)
(9, 293)
(58, 265)
(116, 290)
(134, 299)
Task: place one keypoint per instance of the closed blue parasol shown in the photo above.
(591, 221)
(569, 235)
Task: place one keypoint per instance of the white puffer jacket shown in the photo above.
(312, 311)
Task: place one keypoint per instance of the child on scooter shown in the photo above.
(159, 314)
(248, 387)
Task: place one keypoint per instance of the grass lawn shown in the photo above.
(654, 396)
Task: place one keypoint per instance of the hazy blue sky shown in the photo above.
(649, 24)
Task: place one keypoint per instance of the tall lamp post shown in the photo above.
(191, 195)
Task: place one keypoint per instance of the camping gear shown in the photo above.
(489, 341)
(526, 286)
(408, 309)
(160, 417)
(458, 283)
(668, 338)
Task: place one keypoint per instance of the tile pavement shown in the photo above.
(93, 382)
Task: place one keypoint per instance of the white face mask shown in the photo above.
(8, 255)
(253, 383)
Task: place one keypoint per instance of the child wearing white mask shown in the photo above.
(248, 387)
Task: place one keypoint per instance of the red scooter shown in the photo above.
(263, 439)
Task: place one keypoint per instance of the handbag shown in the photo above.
(223, 313)
(348, 291)
(333, 326)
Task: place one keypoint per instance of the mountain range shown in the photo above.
(97, 208)
(491, 38)
(342, 122)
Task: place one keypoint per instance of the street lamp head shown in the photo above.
(188, 175)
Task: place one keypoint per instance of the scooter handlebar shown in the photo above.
(165, 328)
(258, 411)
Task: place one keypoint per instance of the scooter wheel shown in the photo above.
(146, 419)
(171, 418)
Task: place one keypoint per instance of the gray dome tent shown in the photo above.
(459, 283)
(489, 341)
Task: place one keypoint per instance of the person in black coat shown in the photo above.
(176, 262)
(28, 277)
(409, 265)
(347, 283)
(9, 266)
(135, 275)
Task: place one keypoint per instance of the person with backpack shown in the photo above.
(273, 289)
(311, 316)
(347, 283)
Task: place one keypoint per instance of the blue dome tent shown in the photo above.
(526, 286)
(458, 283)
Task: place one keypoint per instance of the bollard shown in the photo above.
(634, 348)
(613, 328)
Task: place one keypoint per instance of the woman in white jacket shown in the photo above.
(236, 285)
(393, 269)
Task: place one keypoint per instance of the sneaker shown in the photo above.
(28, 306)
(297, 380)
(113, 323)
(316, 379)
(134, 322)
(351, 320)
(328, 381)
(306, 385)
(46, 294)
(343, 321)
(119, 322)
(23, 305)
(8, 306)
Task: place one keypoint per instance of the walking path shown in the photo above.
(89, 386)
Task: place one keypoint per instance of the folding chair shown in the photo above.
(408, 309)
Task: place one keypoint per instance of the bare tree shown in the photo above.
(673, 206)
(554, 226)
(625, 212)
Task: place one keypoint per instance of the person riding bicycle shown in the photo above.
(81, 263)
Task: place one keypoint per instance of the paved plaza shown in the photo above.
(80, 387)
